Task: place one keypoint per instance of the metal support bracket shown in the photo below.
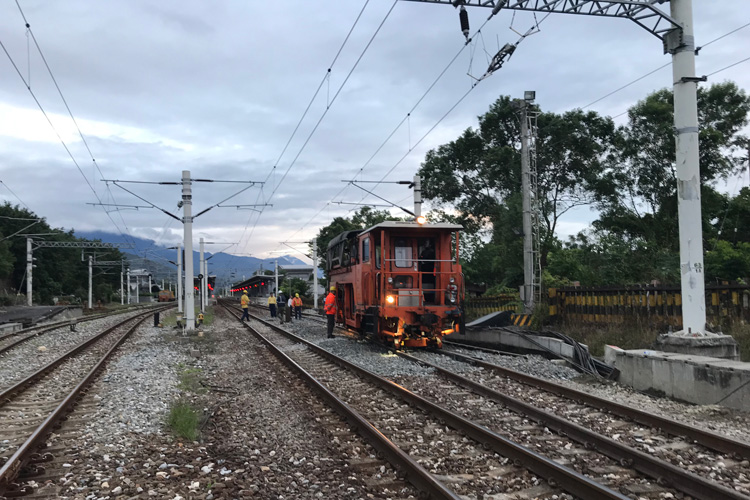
(689, 79)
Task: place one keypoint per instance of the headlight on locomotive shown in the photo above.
(390, 299)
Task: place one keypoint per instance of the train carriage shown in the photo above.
(399, 281)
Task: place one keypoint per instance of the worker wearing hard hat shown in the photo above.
(244, 302)
(297, 303)
(272, 305)
(330, 310)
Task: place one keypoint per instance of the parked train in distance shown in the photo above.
(399, 281)
(166, 296)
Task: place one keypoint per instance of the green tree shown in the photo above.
(479, 176)
(642, 200)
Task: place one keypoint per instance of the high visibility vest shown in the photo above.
(330, 304)
(244, 301)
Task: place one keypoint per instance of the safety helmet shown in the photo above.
(333, 288)
(244, 291)
(296, 295)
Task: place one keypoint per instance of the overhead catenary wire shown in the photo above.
(15, 195)
(532, 30)
(325, 78)
(323, 115)
(406, 118)
(665, 65)
(27, 83)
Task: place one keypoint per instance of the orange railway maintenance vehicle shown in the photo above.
(399, 282)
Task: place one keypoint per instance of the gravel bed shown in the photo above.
(720, 419)
(27, 358)
(264, 434)
(363, 353)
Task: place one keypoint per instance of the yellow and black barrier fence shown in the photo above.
(476, 307)
(657, 304)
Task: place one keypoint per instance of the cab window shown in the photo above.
(366, 250)
(402, 255)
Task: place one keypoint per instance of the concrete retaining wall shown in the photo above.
(685, 377)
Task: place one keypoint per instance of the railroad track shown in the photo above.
(13, 339)
(425, 441)
(678, 459)
(31, 409)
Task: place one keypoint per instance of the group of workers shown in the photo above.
(292, 306)
(287, 307)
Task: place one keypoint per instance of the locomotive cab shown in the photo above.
(399, 281)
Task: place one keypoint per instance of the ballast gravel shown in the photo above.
(254, 441)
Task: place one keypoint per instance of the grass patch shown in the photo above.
(183, 420)
(632, 336)
(741, 333)
(190, 379)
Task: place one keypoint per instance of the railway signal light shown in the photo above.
(421, 219)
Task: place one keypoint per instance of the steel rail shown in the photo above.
(415, 473)
(556, 474)
(8, 393)
(664, 472)
(706, 438)
(15, 463)
(35, 331)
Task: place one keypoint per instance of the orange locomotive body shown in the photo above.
(399, 281)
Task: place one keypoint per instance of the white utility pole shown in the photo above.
(688, 172)
(276, 275)
(200, 271)
(91, 281)
(315, 272)
(29, 268)
(205, 282)
(122, 290)
(137, 288)
(187, 221)
(149, 284)
(179, 279)
(128, 286)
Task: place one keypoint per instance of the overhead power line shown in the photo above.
(320, 120)
(14, 194)
(667, 64)
(27, 84)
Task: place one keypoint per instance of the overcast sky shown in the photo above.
(217, 88)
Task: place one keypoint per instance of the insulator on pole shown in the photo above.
(463, 16)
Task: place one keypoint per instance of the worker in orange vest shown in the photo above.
(297, 303)
(330, 310)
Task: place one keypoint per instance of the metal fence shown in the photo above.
(657, 305)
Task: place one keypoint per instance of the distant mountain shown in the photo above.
(156, 258)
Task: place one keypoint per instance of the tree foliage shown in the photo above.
(58, 271)
(627, 173)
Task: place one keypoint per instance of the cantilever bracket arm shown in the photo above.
(642, 12)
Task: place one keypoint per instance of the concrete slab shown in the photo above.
(713, 345)
(507, 339)
(685, 377)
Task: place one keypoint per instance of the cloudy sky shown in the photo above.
(218, 88)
